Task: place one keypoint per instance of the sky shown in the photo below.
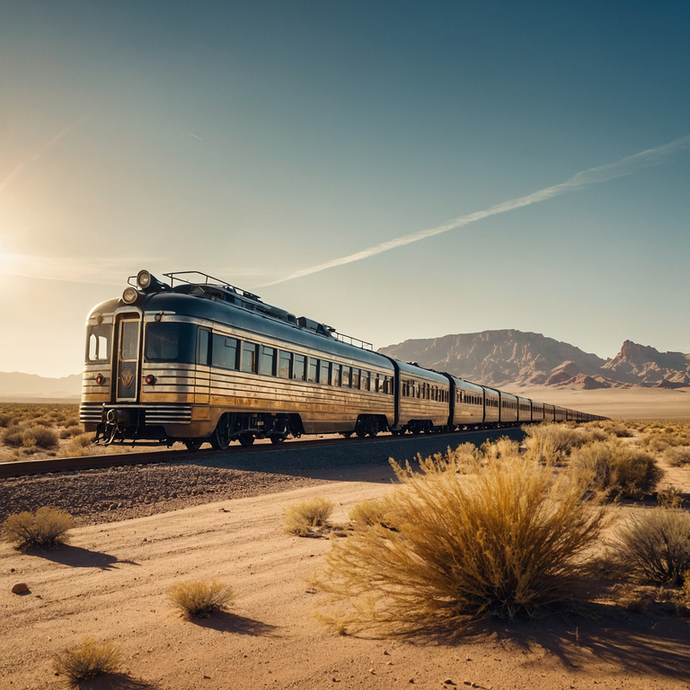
(394, 169)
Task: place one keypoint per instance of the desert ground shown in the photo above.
(110, 581)
(617, 403)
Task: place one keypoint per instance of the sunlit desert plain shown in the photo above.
(281, 628)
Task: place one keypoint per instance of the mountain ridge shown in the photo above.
(512, 357)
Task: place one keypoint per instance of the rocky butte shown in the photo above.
(512, 357)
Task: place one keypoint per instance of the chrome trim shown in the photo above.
(91, 413)
(168, 414)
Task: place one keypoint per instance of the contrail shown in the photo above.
(195, 136)
(581, 180)
(31, 159)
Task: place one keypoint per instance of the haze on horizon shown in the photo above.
(376, 166)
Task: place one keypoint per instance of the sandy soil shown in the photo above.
(617, 403)
(112, 578)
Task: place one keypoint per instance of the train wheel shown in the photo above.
(276, 440)
(361, 428)
(247, 439)
(220, 439)
(193, 443)
(373, 427)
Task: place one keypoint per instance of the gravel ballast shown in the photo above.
(119, 493)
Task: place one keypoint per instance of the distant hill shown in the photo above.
(17, 387)
(511, 357)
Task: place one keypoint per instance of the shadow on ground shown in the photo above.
(639, 643)
(76, 557)
(224, 621)
(115, 681)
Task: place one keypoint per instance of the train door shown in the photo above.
(128, 359)
(202, 374)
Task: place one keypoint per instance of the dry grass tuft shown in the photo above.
(301, 516)
(503, 542)
(618, 470)
(77, 446)
(369, 513)
(89, 660)
(44, 529)
(656, 545)
(200, 598)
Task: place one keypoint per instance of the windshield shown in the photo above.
(170, 342)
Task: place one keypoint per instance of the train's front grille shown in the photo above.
(91, 413)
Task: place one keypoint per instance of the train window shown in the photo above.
(267, 361)
(202, 350)
(365, 381)
(313, 376)
(285, 365)
(165, 342)
(300, 368)
(346, 377)
(355, 378)
(99, 343)
(224, 352)
(375, 383)
(388, 385)
(249, 357)
(336, 374)
(325, 373)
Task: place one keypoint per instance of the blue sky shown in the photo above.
(256, 140)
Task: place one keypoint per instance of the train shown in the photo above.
(194, 359)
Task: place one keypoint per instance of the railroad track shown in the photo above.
(23, 468)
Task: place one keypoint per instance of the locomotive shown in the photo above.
(196, 359)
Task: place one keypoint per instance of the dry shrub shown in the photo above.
(44, 529)
(503, 542)
(658, 437)
(553, 443)
(77, 446)
(12, 436)
(617, 470)
(301, 516)
(677, 456)
(200, 598)
(656, 545)
(670, 497)
(43, 437)
(73, 430)
(89, 660)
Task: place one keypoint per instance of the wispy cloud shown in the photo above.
(98, 271)
(91, 270)
(195, 136)
(35, 156)
(581, 180)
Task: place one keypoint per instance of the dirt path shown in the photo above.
(111, 582)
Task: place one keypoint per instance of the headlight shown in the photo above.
(143, 279)
(130, 295)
